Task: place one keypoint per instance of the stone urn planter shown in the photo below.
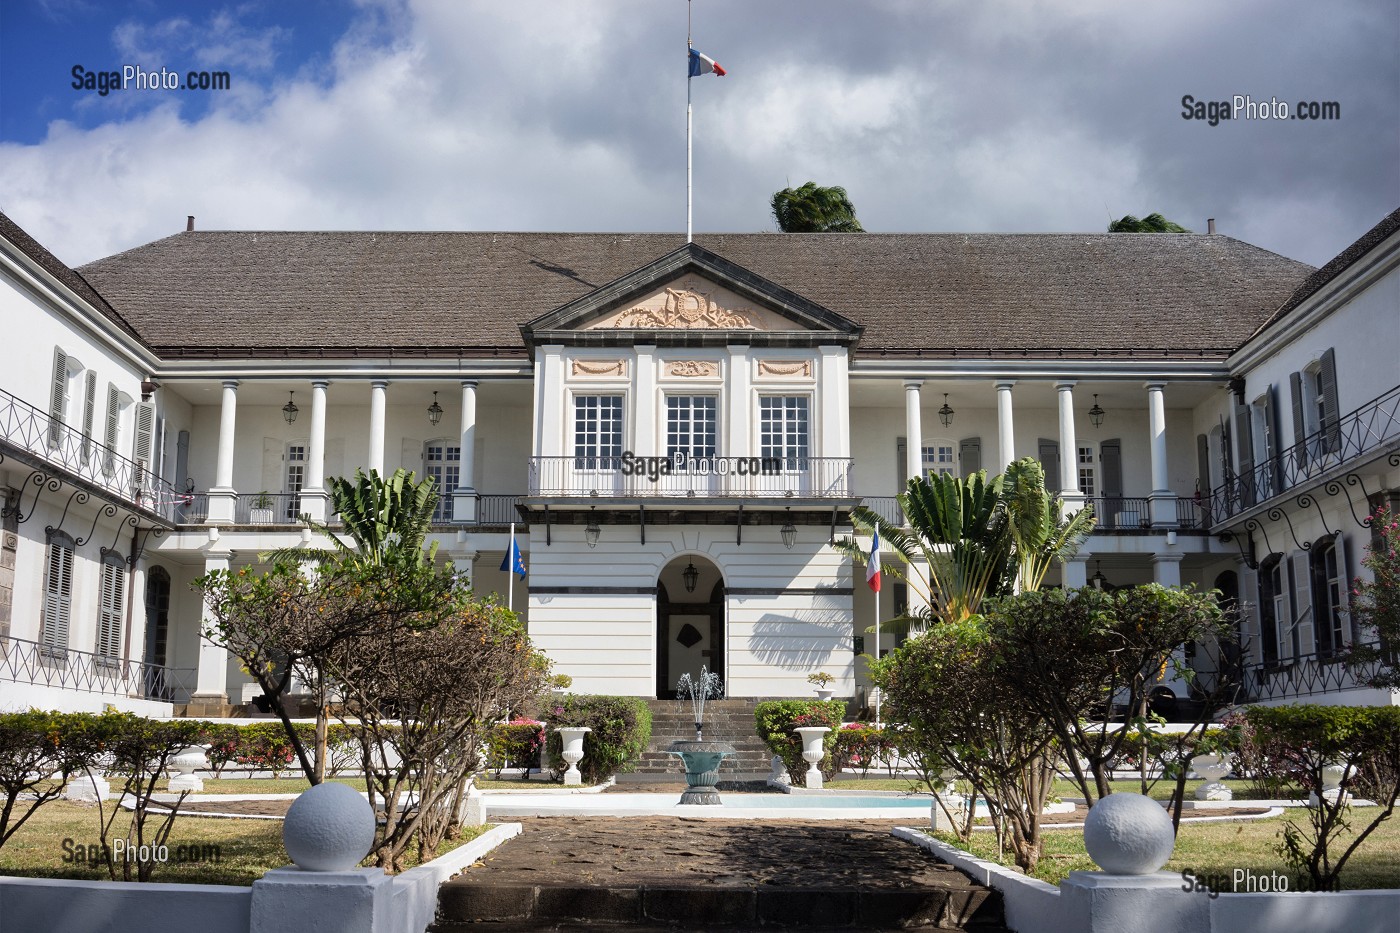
(187, 762)
(92, 785)
(812, 753)
(572, 739)
(1332, 775)
(1212, 769)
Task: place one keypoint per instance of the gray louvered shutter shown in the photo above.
(58, 595)
(1244, 442)
(109, 623)
(901, 463)
(109, 437)
(1350, 635)
(1273, 461)
(1203, 490)
(1305, 619)
(1111, 483)
(145, 433)
(1331, 419)
(970, 455)
(1049, 454)
(58, 394)
(1250, 639)
(1300, 422)
(89, 409)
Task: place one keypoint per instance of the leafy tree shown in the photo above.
(1376, 604)
(1152, 223)
(34, 747)
(814, 209)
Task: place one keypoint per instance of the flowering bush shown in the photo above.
(1376, 604)
(515, 744)
(863, 746)
(266, 748)
(775, 721)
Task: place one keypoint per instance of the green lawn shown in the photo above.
(245, 849)
(1218, 849)
(1161, 790)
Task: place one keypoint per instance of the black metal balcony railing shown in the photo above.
(266, 508)
(29, 662)
(51, 443)
(707, 477)
(1302, 676)
(1365, 429)
(1117, 513)
(491, 511)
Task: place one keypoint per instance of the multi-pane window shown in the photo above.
(296, 478)
(1273, 606)
(939, 458)
(782, 427)
(109, 616)
(58, 595)
(597, 432)
(1328, 580)
(443, 462)
(1087, 481)
(691, 425)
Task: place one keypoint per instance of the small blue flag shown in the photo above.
(513, 562)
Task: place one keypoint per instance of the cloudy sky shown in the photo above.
(1004, 116)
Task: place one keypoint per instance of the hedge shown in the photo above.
(775, 720)
(621, 730)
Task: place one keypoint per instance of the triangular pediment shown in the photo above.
(687, 296)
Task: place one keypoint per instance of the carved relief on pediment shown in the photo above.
(692, 368)
(599, 368)
(692, 303)
(799, 368)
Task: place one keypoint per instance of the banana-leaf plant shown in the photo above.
(378, 514)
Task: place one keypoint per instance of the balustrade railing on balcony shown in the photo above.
(265, 508)
(36, 437)
(1116, 513)
(492, 510)
(1372, 425)
(887, 507)
(29, 662)
(1302, 676)
(707, 477)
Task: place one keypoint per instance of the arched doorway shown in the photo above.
(689, 621)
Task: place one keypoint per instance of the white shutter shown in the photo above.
(1351, 632)
(109, 623)
(1249, 616)
(1305, 618)
(58, 396)
(141, 447)
(58, 595)
(89, 407)
(109, 437)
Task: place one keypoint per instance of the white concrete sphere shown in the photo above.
(1128, 834)
(329, 827)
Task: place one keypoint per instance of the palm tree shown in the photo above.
(813, 209)
(1152, 223)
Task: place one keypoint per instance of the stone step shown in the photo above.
(462, 905)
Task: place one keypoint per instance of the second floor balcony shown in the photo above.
(684, 477)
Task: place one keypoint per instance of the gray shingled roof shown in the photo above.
(469, 292)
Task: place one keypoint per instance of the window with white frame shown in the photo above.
(1088, 482)
(940, 458)
(783, 429)
(443, 462)
(58, 595)
(597, 432)
(1273, 605)
(295, 464)
(109, 614)
(1328, 581)
(691, 426)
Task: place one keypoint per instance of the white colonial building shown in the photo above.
(679, 432)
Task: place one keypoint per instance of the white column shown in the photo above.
(1076, 573)
(222, 496)
(313, 491)
(913, 429)
(464, 562)
(1166, 569)
(376, 424)
(1006, 430)
(644, 439)
(1069, 449)
(1162, 502)
(464, 496)
(211, 675)
(741, 406)
(835, 404)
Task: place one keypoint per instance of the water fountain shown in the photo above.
(701, 758)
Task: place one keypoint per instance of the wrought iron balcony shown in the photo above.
(59, 453)
(1368, 428)
(696, 477)
(1302, 676)
(29, 662)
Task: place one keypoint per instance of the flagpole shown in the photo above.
(879, 694)
(689, 210)
(510, 574)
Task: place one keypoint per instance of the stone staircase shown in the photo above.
(725, 721)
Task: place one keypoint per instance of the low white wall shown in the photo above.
(31, 905)
(415, 892)
(1033, 906)
(17, 697)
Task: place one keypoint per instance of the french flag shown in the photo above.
(703, 65)
(872, 566)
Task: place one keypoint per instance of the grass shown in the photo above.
(1063, 789)
(228, 851)
(1217, 849)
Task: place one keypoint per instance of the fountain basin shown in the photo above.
(701, 760)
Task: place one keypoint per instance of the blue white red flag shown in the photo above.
(704, 65)
(513, 561)
(872, 566)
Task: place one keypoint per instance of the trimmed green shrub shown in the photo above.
(266, 747)
(621, 730)
(775, 721)
(515, 744)
(34, 746)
